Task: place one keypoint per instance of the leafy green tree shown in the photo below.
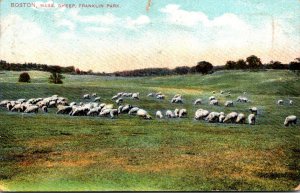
(204, 67)
(230, 65)
(254, 62)
(56, 76)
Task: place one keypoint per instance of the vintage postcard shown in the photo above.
(149, 95)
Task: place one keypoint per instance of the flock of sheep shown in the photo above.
(96, 108)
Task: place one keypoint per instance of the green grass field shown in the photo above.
(60, 152)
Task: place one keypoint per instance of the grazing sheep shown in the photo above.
(51, 104)
(94, 94)
(32, 109)
(230, 117)
(72, 103)
(221, 117)
(198, 102)
(21, 100)
(169, 114)
(229, 104)
(125, 109)
(289, 120)
(86, 96)
(201, 113)
(280, 102)
(94, 111)
(150, 95)
(144, 114)
(115, 97)
(182, 113)
(108, 106)
(159, 114)
(253, 110)
(161, 97)
(97, 99)
(80, 104)
(133, 110)
(135, 96)
(214, 102)
(242, 99)
(4, 103)
(177, 100)
(176, 112)
(45, 109)
(17, 108)
(213, 117)
(251, 119)
(113, 113)
(119, 101)
(80, 111)
(291, 102)
(9, 106)
(105, 112)
(64, 109)
(212, 98)
(241, 118)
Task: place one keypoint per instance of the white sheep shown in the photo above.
(45, 109)
(135, 96)
(212, 98)
(64, 109)
(159, 114)
(241, 118)
(280, 102)
(229, 104)
(119, 100)
(201, 113)
(214, 102)
(253, 110)
(125, 109)
(97, 99)
(291, 102)
(72, 103)
(150, 95)
(86, 96)
(213, 117)
(169, 114)
(32, 109)
(251, 119)
(289, 120)
(144, 114)
(94, 94)
(198, 102)
(182, 113)
(176, 112)
(115, 97)
(242, 99)
(105, 112)
(133, 110)
(230, 117)
(177, 100)
(221, 117)
(113, 113)
(4, 103)
(94, 111)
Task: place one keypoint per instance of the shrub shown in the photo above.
(24, 77)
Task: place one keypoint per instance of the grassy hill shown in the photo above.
(58, 152)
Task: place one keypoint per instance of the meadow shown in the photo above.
(60, 152)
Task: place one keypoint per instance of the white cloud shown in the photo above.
(66, 23)
(97, 29)
(140, 21)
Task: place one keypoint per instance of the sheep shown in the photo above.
(289, 120)
(105, 112)
(80, 111)
(72, 103)
(4, 103)
(177, 100)
(135, 96)
(176, 112)
(221, 117)
(108, 106)
(119, 100)
(21, 100)
(182, 113)
(17, 108)
(94, 111)
(80, 104)
(213, 117)
(144, 114)
(229, 104)
(280, 102)
(86, 96)
(214, 102)
(169, 114)
(115, 97)
(150, 94)
(291, 102)
(51, 104)
(241, 118)
(251, 119)
(159, 114)
(9, 106)
(32, 109)
(212, 98)
(253, 110)
(133, 110)
(200, 114)
(125, 109)
(97, 99)
(45, 109)
(94, 94)
(230, 117)
(242, 99)
(158, 93)
(161, 97)
(113, 113)
(198, 101)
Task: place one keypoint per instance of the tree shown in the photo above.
(203, 67)
(182, 70)
(254, 62)
(77, 71)
(241, 64)
(230, 65)
(24, 77)
(276, 65)
(56, 76)
(295, 65)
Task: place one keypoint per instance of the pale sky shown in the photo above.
(173, 33)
